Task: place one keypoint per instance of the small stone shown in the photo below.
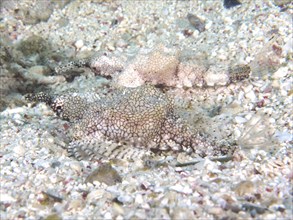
(108, 215)
(75, 165)
(79, 44)
(280, 73)
(284, 136)
(125, 199)
(75, 204)
(183, 213)
(104, 174)
(181, 189)
(244, 187)
(251, 95)
(6, 198)
(240, 120)
(248, 88)
(38, 71)
(118, 209)
(217, 211)
(121, 43)
(138, 199)
(19, 150)
(95, 195)
(196, 22)
(110, 46)
(231, 3)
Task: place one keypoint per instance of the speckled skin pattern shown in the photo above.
(130, 123)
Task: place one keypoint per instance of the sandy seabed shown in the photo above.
(40, 181)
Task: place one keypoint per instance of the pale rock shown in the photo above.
(59, 207)
(79, 44)
(75, 204)
(121, 43)
(17, 116)
(42, 164)
(240, 120)
(75, 165)
(276, 84)
(248, 88)
(54, 178)
(251, 95)
(95, 195)
(39, 74)
(38, 70)
(125, 198)
(237, 133)
(19, 150)
(181, 189)
(272, 120)
(9, 112)
(138, 199)
(145, 206)
(244, 188)
(280, 73)
(284, 136)
(215, 211)
(118, 209)
(119, 217)
(6, 198)
(110, 46)
(182, 213)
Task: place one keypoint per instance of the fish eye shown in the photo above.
(58, 109)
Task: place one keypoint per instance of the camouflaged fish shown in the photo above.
(131, 123)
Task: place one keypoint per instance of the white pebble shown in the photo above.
(272, 120)
(19, 150)
(237, 133)
(95, 195)
(283, 136)
(119, 217)
(248, 88)
(79, 44)
(181, 189)
(5, 198)
(9, 111)
(240, 120)
(251, 95)
(108, 215)
(75, 204)
(125, 198)
(240, 96)
(75, 165)
(138, 199)
(280, 73)
(16, 116)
